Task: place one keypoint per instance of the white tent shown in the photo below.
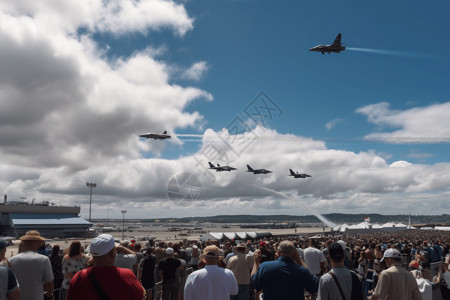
(230, 235)
(241, 236)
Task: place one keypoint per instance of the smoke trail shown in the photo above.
(319, 216)
(396, 53)
(190, 135)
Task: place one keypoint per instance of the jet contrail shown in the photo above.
(298, 200)
(190, 135)
(396, 53)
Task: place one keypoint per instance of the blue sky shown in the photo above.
(254, 46)
(80, 80)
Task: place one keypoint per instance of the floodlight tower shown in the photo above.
(90, 185)
(123, 211)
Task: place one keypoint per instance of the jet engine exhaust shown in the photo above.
(396, 53)
(319, 216)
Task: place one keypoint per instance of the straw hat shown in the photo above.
(32, 235)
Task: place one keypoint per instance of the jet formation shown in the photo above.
(156, 136)
(336, 47)
(220, 168)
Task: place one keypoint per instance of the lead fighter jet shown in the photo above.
(336, 47)
(297, 175)
(258, 171)
(220, 168)
(156, 136)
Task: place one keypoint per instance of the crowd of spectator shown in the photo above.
(401, 265)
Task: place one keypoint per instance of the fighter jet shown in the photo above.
(220, 168)
(156, 136)
(258, 171)
(297, 175)
(336, 47)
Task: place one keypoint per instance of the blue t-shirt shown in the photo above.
(284, 279)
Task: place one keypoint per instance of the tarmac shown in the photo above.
(160, 233)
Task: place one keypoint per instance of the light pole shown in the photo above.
(90, 185)
(123, 211)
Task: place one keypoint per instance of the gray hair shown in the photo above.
(286, 248)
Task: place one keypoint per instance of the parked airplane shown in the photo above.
(297, 175)
(220, 168)
(156, 136)
(336, 47)
(258, 171)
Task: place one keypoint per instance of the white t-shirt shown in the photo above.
(210, 282)
(313, 258)
(31, 269)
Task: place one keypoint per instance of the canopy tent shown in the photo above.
(234, 235)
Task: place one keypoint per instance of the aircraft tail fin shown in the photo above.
(165, 132)
(337, 41)
(292, 172)
(249, 169)
(211, 165)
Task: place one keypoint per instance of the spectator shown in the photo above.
(314, 258)
(167, 271)
(395, 282)
(241, 265)
(8, 283)
(193, 263)
(211, 282)
(72, 262)
(283, 278)
(425, 286)
(56, 261)
(125, 258)
(104, 278)
(146, 272)
(339, 283)
(33, 271)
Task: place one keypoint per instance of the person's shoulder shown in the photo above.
(325, 278)
(125, 271)
(233, 258)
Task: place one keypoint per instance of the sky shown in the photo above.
(233, 83)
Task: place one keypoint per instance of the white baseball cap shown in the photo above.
(169, 251)
(101, 245)
(391, 252)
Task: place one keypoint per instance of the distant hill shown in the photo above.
(336, 218)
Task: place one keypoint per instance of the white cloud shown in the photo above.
(341, 180)
(330, 125)
(115, 16)
(70, 116)
(196, 71)
(416, 125)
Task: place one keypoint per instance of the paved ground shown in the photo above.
(163, 234)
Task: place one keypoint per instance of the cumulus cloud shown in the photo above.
(341, 180)
(113, 16)
(70, 116)
(428, 124)
(196, 71)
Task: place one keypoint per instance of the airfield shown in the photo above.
(175, 234)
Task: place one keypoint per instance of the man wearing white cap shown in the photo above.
(211, 282)
(167, 271)
(104, 280)
(395, 282)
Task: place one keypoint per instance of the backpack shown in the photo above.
(357, 290)
(357, 287)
